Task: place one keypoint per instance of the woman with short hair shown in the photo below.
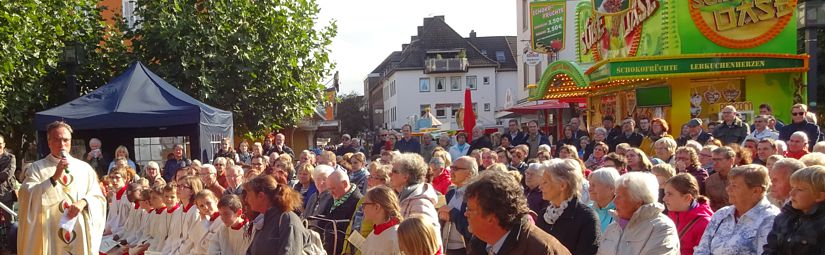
(122, 153)
(743, 226)
(602, 191)
(570, 221)
(798, 229)
(532, 187)
(689, 210)
(597, 158)
(640, 227)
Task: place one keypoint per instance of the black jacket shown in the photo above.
(577, 228)
(635, 140)
(342, 212)
(796, 232)
(516, 139)
(733, 133)
(702, 139)
(8, 165)
(481, 142)
(812, 130)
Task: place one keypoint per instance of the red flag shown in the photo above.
(469, 115)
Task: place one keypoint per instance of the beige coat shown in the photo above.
(648, 232)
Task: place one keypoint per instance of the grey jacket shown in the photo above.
(282, 233)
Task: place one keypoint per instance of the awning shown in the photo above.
(533, 107)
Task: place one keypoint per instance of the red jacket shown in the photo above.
(442, 182)
(689, 238)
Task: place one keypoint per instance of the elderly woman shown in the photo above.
(637, 160)
(743, 226)
(573, 223)
(597, 158)
(602, 191)
(798, 229)
(440, 174)
(665, 149)
(706, 158)
(453, 213)
(640, 227)
(408, 180)
(689, 211)
(244, 157)
(306, 185)
(687, 161)
(152, 174)
(318, 202)
(532, 181)
(281, 231)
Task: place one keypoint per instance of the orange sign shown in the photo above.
(741, 24)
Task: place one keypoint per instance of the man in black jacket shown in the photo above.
(798, 123)
(628, 135)
(612, 130)
(480, 140)
(514, 133)
(345, 197)
(695, 132)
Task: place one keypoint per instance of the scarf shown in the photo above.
(384, 226)
(407, 191)
(338, 202)
(552, 213)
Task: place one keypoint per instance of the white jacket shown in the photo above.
(648, 232)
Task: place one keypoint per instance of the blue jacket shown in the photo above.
(408, 146)
(809, 128)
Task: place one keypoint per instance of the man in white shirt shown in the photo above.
(762, 131)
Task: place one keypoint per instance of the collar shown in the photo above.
(53, 159)
(120, 192)
(240, 225)
(160, 210)
(754, 212)
(172, 209)
(497, 246)
(137, 205)
(258, 222)
(187, 207)
(214, 216)
(378, 228)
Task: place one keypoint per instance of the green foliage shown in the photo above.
(353, 114)
(32, 38)
(263, 60)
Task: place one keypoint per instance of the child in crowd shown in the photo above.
(381, 206)
(174, 237)
(208, 207)
(119, 205)
(186, 190)
(231, 239)
(158, 224)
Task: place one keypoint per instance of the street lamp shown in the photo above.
(811, 17)
(72, 58)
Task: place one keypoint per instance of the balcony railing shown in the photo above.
(447, 65)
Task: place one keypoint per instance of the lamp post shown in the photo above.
(811, 18)
(72, 58)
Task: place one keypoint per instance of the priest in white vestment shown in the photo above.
(55, 186)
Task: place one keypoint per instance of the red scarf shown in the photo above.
(377, 229)
(172, 209)
(186, 208)
(240, 225)
(214, 216)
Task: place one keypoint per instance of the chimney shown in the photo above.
(413, 38)
(439, 17)
(472, 34)
(420, 31)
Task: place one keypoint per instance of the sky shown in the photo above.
(369, 30)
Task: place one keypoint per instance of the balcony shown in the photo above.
(447, 65)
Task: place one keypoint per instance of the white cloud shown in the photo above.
(369, 30)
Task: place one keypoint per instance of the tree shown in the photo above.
(263, 60)
(33, 35)
(353, 114)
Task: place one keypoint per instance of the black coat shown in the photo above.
(795, 232)
(702, 139)
(577, 228)
(342, 212)
(481, 142)
(7, 173)
(635, 140)
(810, 129)
(516, 139)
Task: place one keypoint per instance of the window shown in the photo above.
(392, 88)
(486, 80)
(128, 13)
(440, 113)
(440, 84)
(486, 107)
(424, 108)
(471, 82)
(484, 52)
(500, 57)
(455, 83)
(455, 109)
(424, 84)
(157, 148)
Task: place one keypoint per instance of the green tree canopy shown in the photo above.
(353, 114)
(263, 60)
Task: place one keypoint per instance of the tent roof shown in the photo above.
(136, 98)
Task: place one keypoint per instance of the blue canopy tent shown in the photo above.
(136, 104)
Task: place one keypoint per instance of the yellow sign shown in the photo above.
(741, 24)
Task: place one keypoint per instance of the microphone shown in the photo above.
(65, 155)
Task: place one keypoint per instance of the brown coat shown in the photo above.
(525, 238)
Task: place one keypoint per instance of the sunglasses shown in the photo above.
(798, 113)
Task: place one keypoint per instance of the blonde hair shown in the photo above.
(754, 176)
(122, 148)
(813, 159)
(498, 167)
(663, 169)
(417, 236)
(443, 154)
(812, 175)
(385, 198)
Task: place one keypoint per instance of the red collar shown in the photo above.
(186, 208)
(137, 205)
(172, 209)
(240, 225)
(214, 216)
(120, 192)
(798, 154)
(377, 229)
(160, 210)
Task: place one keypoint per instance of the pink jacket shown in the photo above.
(689, 238)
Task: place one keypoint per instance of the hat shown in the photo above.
(694, 122)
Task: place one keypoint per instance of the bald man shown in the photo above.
(345, 197)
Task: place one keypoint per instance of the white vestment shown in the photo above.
(42, 204)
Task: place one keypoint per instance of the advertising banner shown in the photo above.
(547, 19)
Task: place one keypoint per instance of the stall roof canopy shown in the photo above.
(533, 107)
(137, 98)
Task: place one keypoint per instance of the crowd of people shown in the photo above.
(719, 188)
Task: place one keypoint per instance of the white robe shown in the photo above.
(42, 204)
(159, 229)
(214, 225)
(190, 220)
(174, 239)
(132, 230)
(229, 241)
(118, 212)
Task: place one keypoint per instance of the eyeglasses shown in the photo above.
(798, 113)
(719, 159)
(185, 187)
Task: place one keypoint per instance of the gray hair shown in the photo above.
(788, 164)
(600, 130)
(322, 171)
(219, 160)
(95, 140)
(813, 159)
(641, 186)
(568, 171)
(338, 176)
(412, 165)
(667, 141)
(438, 162)
(535, 167)
(236, 168)
(210, 167)
(695, 145)
(605, 176)
(781, 145)
(153, 164)
(819, 147)
(473, 164)
(754, 176)
(801, 134)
